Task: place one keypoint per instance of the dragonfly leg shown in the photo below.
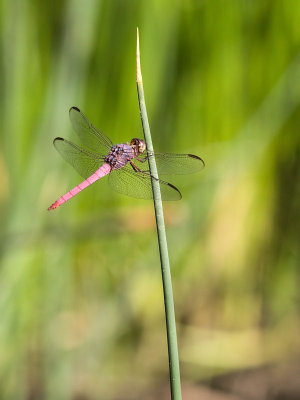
(142, 160)
(137, 169)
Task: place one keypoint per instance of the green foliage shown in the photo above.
(80, 293)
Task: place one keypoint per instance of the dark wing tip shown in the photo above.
(58, 138)
(74, 108)
(197, 158)
(175, 188)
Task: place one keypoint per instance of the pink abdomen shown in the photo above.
(102, 171)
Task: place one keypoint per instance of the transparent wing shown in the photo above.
(138, 184)
(173, 164)
(89, 135)
(85, 162)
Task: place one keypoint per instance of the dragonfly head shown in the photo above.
(138, 145)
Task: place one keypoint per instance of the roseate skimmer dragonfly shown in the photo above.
(126, 164)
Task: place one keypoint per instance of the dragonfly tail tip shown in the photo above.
(53, 206)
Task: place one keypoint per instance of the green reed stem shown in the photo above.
(162, 242)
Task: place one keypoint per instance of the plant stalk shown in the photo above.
(162, 242)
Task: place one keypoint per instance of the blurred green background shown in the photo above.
(81, 303)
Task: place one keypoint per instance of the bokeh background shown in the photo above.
(81, 303)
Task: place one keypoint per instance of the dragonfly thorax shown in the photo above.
(138, 145)
(120, 155)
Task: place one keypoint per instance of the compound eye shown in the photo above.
(141, 148)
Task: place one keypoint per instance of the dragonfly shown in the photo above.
(125, 163)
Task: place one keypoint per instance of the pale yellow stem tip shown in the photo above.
(138, 62)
